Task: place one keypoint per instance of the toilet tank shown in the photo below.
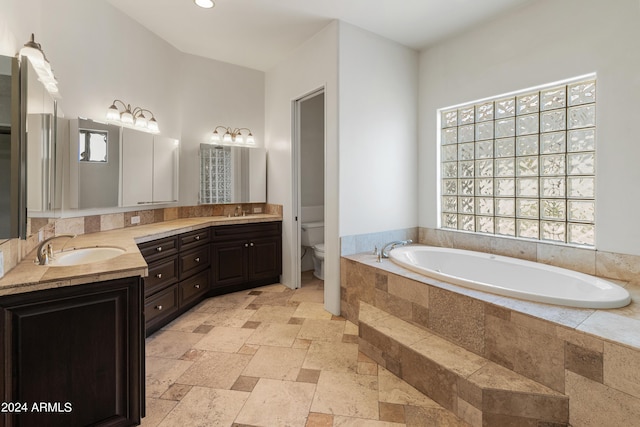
(312, 233)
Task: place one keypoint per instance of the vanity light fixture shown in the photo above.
(232, 136)
(205, 4)
(34, 52)
(132, 117)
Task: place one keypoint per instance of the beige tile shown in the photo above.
(245, 383)
(308, 295)
(514, 248)
(274, 334)
(312, 310)
(319, 420)
(350, 328)
(450, 356)
(391, 412)
(206, 407)
(409, 290)
(308, 376)
(418, 416)
(156, 411)
(216, 370)
(161, 373)
(188, 322)
(276, 287)
(321, 330)
(332, 356)
(394, 390)
(278, 363)
(235, 300)
(225, 339)
(583, 361)
(613, 327)
(617, 266)
(367, 368)
(578, 259)
(622, 368)
(298, 343)
(596, 405)
(176, 392)
(273, 314)
(170, 344)
(249, 349)
(466, 328)
(70, 226)
(580, 338)
(469, 413)
(288, 404)
(342, 421)
(350, 394)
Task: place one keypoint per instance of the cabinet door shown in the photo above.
(80, 349)
(230, 263)
(165, 169)
(265, 258)
(137, 167)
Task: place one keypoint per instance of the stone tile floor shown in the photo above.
(272, 357)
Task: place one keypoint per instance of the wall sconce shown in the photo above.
(132, 118)
(34, 52)
(232, 136)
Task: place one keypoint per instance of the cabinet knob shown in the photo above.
(197, 286)
(251, 244)
(197, 237)
(159, 249)
(159, 275)
(246, 245)
(158, 307)
(197, 259)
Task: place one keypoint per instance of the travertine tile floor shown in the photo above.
(273, 357)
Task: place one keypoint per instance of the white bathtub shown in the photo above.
(511, 277)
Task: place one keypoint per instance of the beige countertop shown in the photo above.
(28, 277)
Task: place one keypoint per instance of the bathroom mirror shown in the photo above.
(41, 127)
(231, 174)
(10, 155)
(94, 165)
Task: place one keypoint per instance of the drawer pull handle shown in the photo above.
(159, 249)
(159, 275)
(197, 286)
(158, 307)
(197, 259)
(197, 237)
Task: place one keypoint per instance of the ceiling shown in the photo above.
(259, 33)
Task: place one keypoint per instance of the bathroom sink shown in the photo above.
(85, 256)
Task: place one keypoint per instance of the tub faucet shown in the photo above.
(385, 253)
(45, 251)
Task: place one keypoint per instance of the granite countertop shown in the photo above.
(28, 277)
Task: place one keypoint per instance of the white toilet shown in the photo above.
(313, 237)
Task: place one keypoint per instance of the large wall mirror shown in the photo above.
(231, 174)
(10, 163)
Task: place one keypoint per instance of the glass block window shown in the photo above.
(215, 174)
(522, 165)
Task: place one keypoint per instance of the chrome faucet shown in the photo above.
(45, 253)
(385, 253)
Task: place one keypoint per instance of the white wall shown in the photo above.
(547, 41)
(308, 68)
(378, 133)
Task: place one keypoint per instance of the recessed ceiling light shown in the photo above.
(207, 4)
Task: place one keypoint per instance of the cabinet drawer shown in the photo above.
(246, 231)
(160, 248)
(193, 261)
(194, 238)
(161, 305)
(193, 287)
(161, 274)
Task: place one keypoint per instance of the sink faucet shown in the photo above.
(385, 253)
(45, 253)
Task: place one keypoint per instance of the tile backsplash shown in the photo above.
(14, 250)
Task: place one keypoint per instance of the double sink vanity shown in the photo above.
(73, 335)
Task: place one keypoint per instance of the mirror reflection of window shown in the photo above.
(93, 146)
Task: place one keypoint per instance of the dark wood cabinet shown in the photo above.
(179, 275)
(73, 356)
(246, 255)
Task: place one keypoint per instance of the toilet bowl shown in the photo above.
(313, 237)
(318, 260)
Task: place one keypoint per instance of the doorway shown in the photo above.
(309, 188)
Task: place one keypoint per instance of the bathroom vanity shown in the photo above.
(73, 356)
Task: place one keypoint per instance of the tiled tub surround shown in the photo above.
(27, 276)
(592, 357)
(15, 250)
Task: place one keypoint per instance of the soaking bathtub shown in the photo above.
(511, 277)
